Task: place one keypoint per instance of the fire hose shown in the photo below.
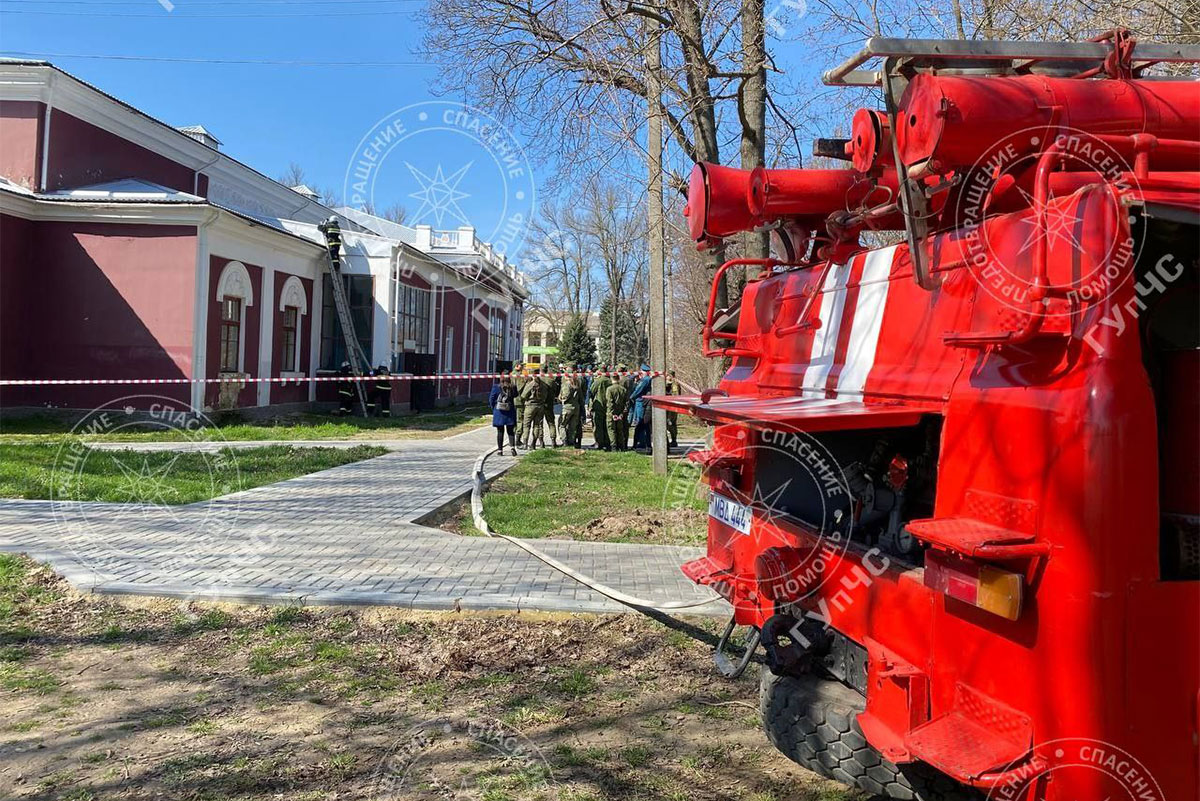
(587, 581)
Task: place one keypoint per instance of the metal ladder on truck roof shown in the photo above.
(354, 352)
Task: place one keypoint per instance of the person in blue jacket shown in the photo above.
(641, 410)
(503, 401)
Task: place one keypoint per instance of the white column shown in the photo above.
(200, 318)
(315, 321)
(266, 330)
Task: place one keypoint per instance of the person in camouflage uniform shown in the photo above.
(519, 382)
(597, 400)
(535, 397)
(572, 404)
(617, 397)
(672, 417)
(553, 385)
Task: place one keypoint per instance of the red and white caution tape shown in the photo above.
(37, 382)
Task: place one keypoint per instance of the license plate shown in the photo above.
(731, 513)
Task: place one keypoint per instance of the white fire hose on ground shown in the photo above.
(641, 604)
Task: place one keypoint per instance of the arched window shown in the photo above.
(234, 293)
(293, 302)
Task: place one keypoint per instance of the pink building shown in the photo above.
(131, 249)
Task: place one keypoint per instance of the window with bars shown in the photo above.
(359, 292)
(412, 319)
(291, 325)
(231, 334)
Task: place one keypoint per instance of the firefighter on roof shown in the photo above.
(333, 239)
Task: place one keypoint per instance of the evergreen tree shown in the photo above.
(629, 345)
(575, 344)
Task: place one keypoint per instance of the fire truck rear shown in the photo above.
(953, 476)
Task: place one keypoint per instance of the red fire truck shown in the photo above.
(953, 475)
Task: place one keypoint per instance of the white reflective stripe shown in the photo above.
(868, 319)
(824, 345)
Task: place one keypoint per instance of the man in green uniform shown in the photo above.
(553, 384)
(568, 396)
(617, 397)
(597, 406)
(672, 417)
(535, 396)
(581, 386)
(519, 381)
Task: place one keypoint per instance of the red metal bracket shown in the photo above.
(709, 334)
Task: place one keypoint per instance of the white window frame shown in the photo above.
(235, 283)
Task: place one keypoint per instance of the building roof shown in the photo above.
(126, 190)
(199, 131)
(185, 133)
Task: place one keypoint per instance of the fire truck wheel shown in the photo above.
(813, 722)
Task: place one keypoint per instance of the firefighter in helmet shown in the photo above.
(345, 388)
(382, 391)
(332, 230)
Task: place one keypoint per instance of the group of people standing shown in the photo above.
(613, 398)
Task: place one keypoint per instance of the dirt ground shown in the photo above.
(152, 699)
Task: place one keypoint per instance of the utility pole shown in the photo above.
(658, 321)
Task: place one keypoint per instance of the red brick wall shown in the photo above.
(21, 141)
(96, 300)
(82, 154)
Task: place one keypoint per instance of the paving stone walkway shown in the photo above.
(342, 536)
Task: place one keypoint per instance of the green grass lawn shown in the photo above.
(83, 474)
(593, 495)
(45, 428)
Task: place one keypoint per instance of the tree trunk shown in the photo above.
(752, 108)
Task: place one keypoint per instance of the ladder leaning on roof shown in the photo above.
(354, 352)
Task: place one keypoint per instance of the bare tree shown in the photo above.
(560, 261)
(292, 176)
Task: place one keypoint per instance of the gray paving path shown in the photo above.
(342, 536)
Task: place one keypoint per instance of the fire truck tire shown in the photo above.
(812, 721)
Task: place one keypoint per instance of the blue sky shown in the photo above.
(319, 117)
(268, 116)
